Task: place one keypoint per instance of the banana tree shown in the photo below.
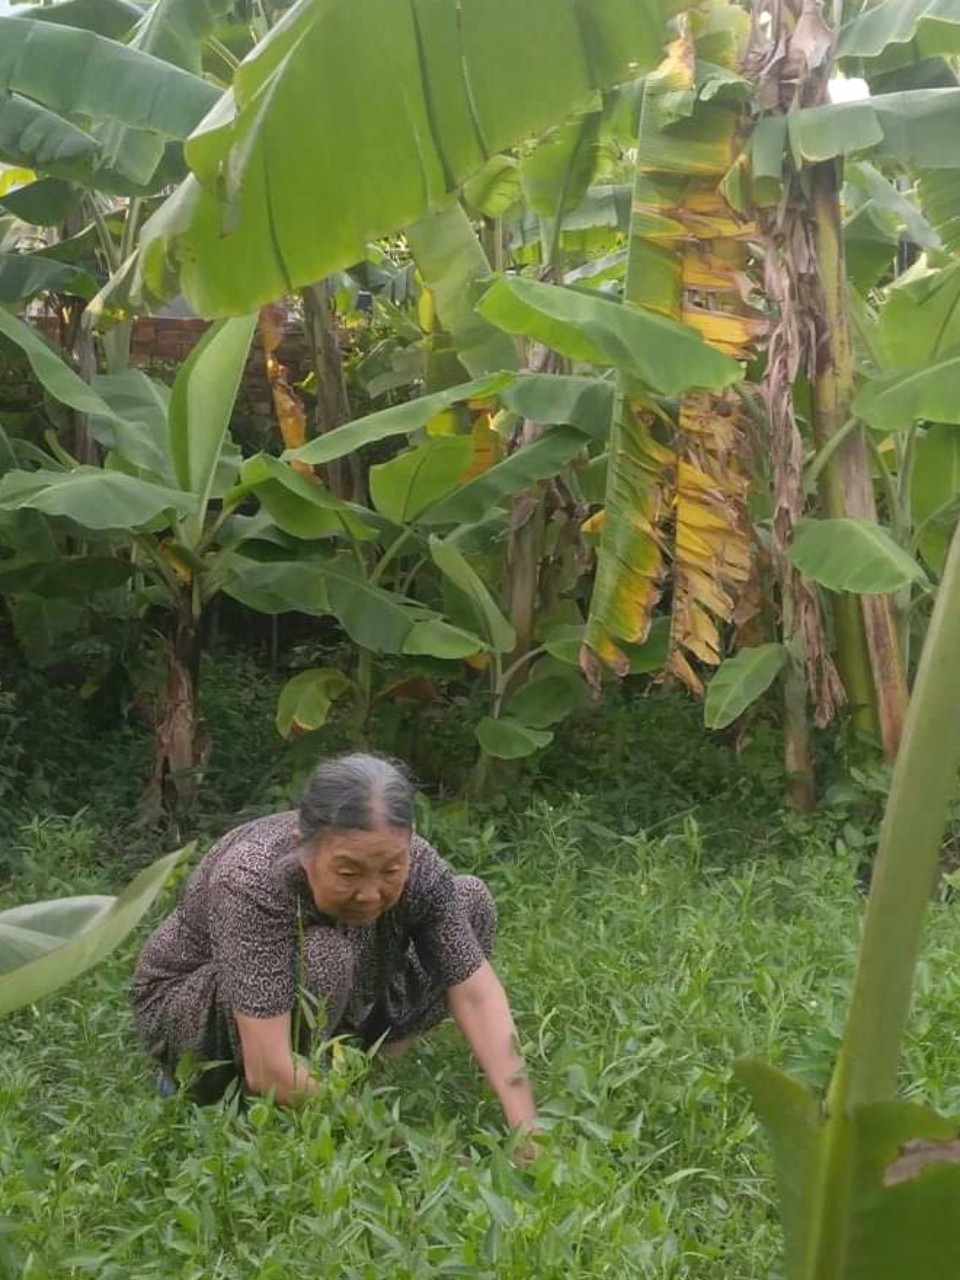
(152, 511)
(416, 579)
(695, 139)
(801, 147)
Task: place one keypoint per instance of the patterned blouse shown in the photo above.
(232, 944)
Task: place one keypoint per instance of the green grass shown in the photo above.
(639, 969)
(659, 917)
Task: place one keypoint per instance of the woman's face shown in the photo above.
(355, 876)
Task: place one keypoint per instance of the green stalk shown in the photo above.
(898, 521)
(823, 456)
(481, 775)
(907, 460)
(898, 500)
(502, 683)
(833, 391)
(117, 339)
(924, 783)
(390, 555)
(111, 254)
(220, 49)
(868, 649)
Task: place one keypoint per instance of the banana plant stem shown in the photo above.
(923, 785)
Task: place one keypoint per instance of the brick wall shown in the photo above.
(160, 345)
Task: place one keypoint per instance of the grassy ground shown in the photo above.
(659, 918)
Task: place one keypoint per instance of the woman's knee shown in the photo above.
(480, 909)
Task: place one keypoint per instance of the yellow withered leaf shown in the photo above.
(713, 549)
(488, 447)
(689, 258)
(678, 69)
(678, 666)
(735, 335)
(631, 562)
(291, 414)
(708, 274)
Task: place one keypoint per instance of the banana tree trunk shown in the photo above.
(76, 342)
(525, 542)
(333, 405)
(868, 650)
(181, 744)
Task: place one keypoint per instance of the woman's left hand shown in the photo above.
(480, 1009)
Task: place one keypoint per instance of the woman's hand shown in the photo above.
(269, 1065)
(480, 1009)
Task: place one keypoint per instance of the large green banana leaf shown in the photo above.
(45, 945)
(45, 202)
(22, 275)
(290, 184)
(54, 373)
(108, 83)
(399, 419)
(201, 404)
(174, 31)
(35, 138)
(916, 128)
(940, 197)
(452, 264)
(476, 498)
(110, 18)
(927, 393)
(935, 492)
(930, 27)
(920, 318)
(662, 354)
(94, 499)
(379, 620)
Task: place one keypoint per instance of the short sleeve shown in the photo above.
(253, 939)
(439, 928)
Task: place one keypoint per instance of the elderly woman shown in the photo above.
(338, 904)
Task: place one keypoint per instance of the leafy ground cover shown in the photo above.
(659, 917)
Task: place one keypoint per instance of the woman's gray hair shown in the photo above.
(358, 792)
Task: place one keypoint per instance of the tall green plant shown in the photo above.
(428, 536)
(154, 510)
(868, 1188)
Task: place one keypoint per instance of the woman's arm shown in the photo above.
(480, 1009)
(268, 1062)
